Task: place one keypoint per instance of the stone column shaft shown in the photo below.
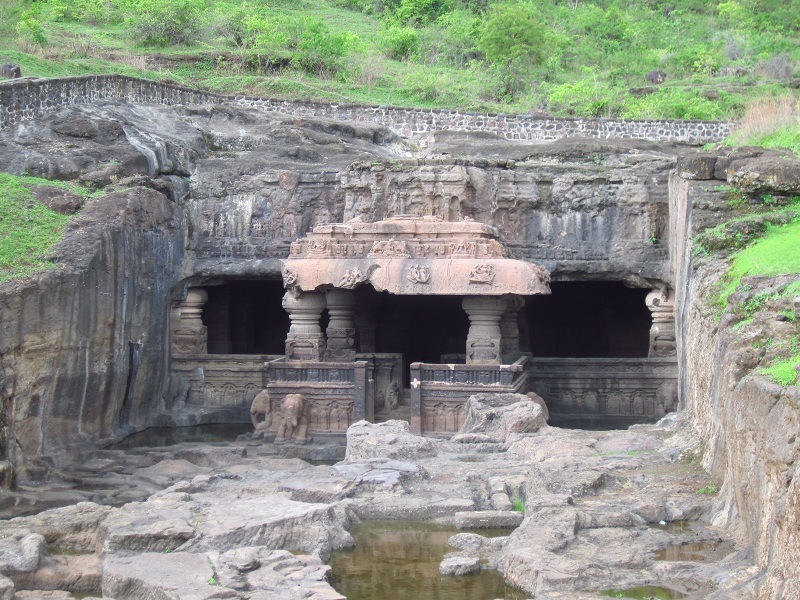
(509, 329)
(341, 326)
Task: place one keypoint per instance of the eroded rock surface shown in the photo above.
(597, 507)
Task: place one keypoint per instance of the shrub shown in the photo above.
(671, 103)
(304, 42)
(513, 33)
(586, 96)
(94, 12)
(30, 27)
(778, 67)
(460, 32)
(164, 22)
(399, 43)
(420, 12)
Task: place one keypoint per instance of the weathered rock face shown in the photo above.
(605, 219)
(748, 424)
(84, 347)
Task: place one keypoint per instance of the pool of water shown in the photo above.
(645, 592)
(399, 560)
(169, 436)
(697, 551)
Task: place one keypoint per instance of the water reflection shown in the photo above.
(645, 592)
(696, 551)
(169, 436)
(399, 560)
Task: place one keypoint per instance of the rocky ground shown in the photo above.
(234, 520)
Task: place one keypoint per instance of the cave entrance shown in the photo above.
(246, 317)
(589, 319)
(426, 329)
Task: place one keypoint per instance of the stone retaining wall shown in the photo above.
(25, 99)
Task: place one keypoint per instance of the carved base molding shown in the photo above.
(623, 391)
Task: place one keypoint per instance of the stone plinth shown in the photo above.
(305, 340)
(484, 337)
(190, 336)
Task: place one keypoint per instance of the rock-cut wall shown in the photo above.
(83, 349)
(25, 99)
(748, 424)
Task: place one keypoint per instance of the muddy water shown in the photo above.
(697, 552)
(400, 561)
(645, 592)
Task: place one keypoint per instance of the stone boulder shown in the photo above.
(10, 70)
(392, 439)
(500, 418)
(766, 174)
(21, 552)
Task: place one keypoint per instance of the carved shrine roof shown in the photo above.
(411, 256)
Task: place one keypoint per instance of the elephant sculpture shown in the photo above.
(293, 424)
(261, 414)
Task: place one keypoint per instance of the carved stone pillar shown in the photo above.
(484, 338)
(190, 336)
(509, 329)
(661, 303)
(366, 320)
(341, 327)
(305, 340)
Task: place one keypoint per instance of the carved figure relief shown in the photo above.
(352, 278)
(389, 248)
(393, 395)
(463, 248)
(289, 277)
(318, 247)
(188, 341)
(293, 424)
(483, 351)
(590, 399)
(261, 414)
(482, 274)
(419, 274)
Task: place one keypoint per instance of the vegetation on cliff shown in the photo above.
(762, 243)
(28, 229)
(563, 57)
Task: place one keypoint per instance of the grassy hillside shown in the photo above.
(565, 57)
(28, 229)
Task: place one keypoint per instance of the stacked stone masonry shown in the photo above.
(25, 99)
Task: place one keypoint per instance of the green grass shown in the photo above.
(595, 53)
(28, 230)
(784, 372)
(777, 253)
